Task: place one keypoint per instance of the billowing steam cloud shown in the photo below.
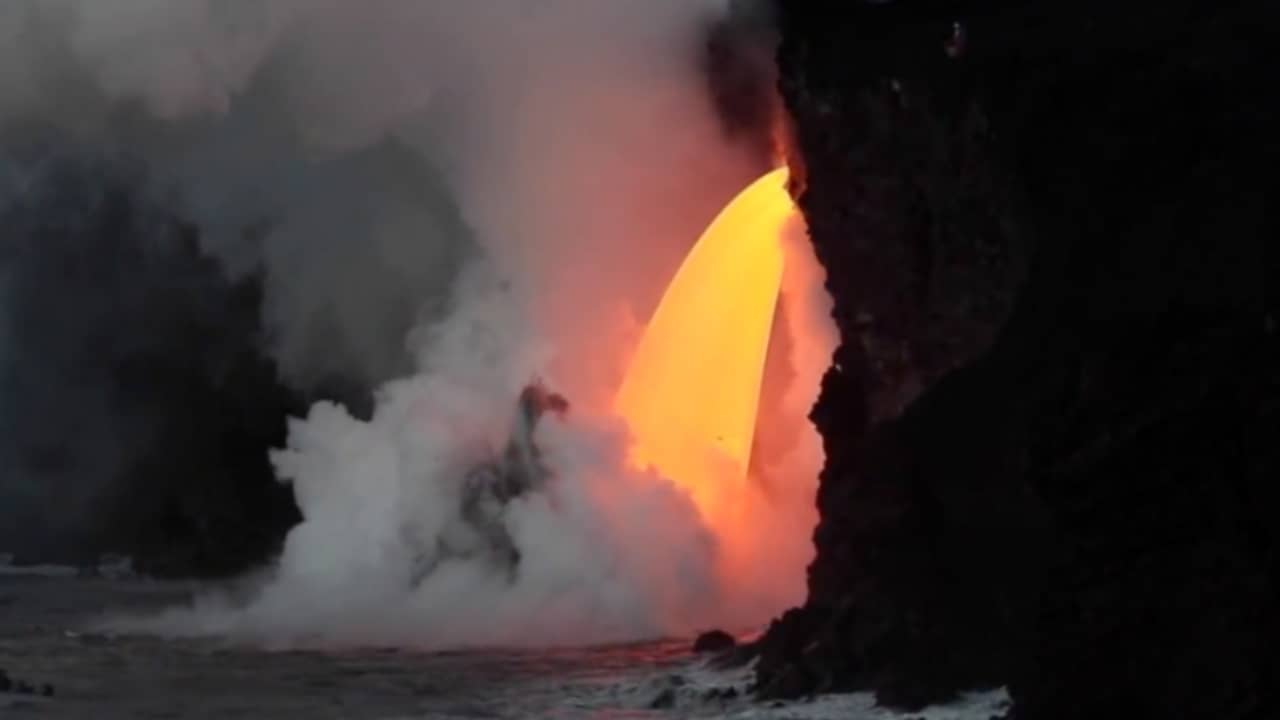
(445, 201)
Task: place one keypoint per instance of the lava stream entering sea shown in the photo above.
(692, 392)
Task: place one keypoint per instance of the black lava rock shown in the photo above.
(721, 694)
(20, 687)
(121, 315)
(1050, 424)
(664, 700)
(714, 641)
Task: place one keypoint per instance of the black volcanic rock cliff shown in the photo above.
(138, 401)
(1051, 425)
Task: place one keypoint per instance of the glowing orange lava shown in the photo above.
(692, 391)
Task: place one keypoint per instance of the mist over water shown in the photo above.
(444, 202)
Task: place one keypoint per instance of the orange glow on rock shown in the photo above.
(692, 390)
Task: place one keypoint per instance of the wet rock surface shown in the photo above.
(1050, 425)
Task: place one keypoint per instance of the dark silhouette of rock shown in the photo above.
(20, 687)
(664, 700)
(1050, 424)
(792, 680)
(736, 657)
(721, 694)
(714, 641)
(489, 487)
(139, 403)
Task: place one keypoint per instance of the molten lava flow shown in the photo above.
(691, 394)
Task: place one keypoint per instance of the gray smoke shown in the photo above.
(275, 138)
(177, 220)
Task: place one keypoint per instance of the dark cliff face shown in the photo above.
(1050, 428)
(138, 402)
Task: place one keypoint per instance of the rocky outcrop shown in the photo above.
(1050, 424)
(714, 641)
(480, 531)
(138, 401)
(11, 686)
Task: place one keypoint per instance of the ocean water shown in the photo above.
(46, 636)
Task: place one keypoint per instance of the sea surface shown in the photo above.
(47, 616)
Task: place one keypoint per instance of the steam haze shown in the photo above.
(443, 202)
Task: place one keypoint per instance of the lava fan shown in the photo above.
(693, 388)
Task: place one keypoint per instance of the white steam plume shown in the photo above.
(462, 195)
